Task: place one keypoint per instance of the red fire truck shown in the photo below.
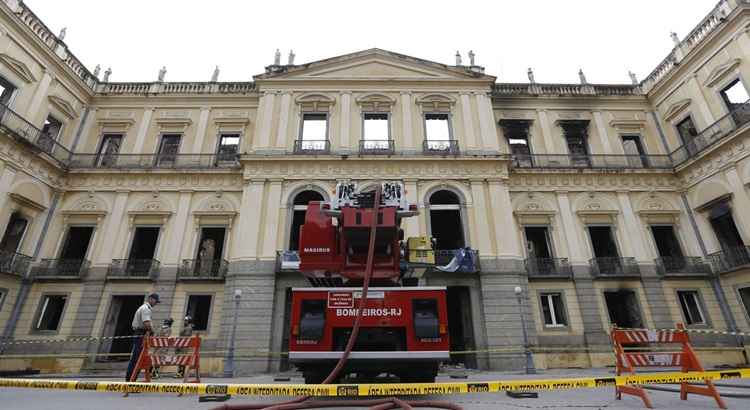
(404, 329)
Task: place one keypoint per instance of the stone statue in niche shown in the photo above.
(206, 255)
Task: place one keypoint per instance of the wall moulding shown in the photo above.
(161, 182)
(593, 182)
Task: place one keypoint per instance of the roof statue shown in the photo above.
(61, 36)
(107, 73)
(162, 74)
(582, 76)
(633, 78)
(215, 75)
(530, 73)
(471, 57)
(458, 58)
(97, 69)
(277, 57)
(290, 61)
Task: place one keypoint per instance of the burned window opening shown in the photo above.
(538, 242)
(376, 131)
(687, 131)
(517, 134)
(603, 242)
(14, 233)
(437, 131)
(576, 135)
(109, 150)
(745, 299)
(734, 95)
(210, 250)
(142, 250)
(691, 307)
(168, 149)
(722, 222)
(446, 225)
(74, 249)
(299, 209)
(623, 309)
(633, 148)
(6, 91)
(666, 241)
(229, 147)
(119, 323)
(50, 312)
(314, 131)
(199, 310)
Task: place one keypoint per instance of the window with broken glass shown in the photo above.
(553, 309)
(690, 304)
(229, 147)
(50, 312)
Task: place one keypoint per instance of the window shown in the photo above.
(74, 249)
(623, 309)
(437, 131)
(50, 312)
(3, 293)
(210, 252)
(666, 241)
(168, 149)
(722, 222)
(142, 250)
(553, 310)
(686, 129)
(50, 133)
(6, 91)
(199, 309)
(229, 147)
(734, 95)
(299, 208)
(603, 241)
(376, 134)
(691, 307)
(314, 133)
(636, 154)
(108, 150)
(745, 299)
(517, 133)
(537, 242)
(446, 225)
(14, 233)
(575, 132)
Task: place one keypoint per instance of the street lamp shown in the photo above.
(229, 360)
(527, 352)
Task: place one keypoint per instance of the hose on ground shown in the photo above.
(375, 404)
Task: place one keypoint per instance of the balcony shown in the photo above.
(33, 137)
(61, 269)
(287, 261)
(548, 268)
(14, 263)
(593, 161)
(730, 259)
(614, 267)
(440, 147)
(134, 269)
(377, 147)
(154, 161)
(682, 266)
(312, 147)
(712, 134)
(196, 269)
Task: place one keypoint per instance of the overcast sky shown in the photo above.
(604, 37)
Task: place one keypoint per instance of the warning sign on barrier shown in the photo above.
(159, 351)
(386, 389)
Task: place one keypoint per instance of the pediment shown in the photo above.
(375, 65)
(63, 106)
(18, 67)
(718, 73)
(676, 108)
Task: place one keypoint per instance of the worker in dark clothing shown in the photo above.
(141, 327)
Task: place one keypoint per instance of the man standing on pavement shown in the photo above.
(141, 327)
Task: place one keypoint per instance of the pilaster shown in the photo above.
(177, 232)
(570, 228)
(481, 219)
(487, 123)
(549, 144)
(39, 95)
(272, 227)
(113, 225)
(505, 230)
(345, 123)
(632, 227)
(245, 242)
(601, 131)
(200, 131)
(140, 138)
(468, 121)
(408, 131)
(286, 106)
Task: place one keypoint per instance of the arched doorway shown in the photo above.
(446, 224)
(299, 207)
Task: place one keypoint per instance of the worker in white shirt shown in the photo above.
(141, 327)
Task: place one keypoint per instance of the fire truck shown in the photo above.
(404, 327)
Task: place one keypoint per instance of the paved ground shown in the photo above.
(20, 399)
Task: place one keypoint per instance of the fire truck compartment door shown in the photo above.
(426, 323)
(312, 319)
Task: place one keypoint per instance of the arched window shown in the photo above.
(446, 225)
(299, 207)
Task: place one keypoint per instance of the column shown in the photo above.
(408, 131)
(39, 95)
(468, 120)
(345, 123)
(200, 132)
(113, 225)
(632, 227)
(487, 123)
(411, 225)
(481, 219)
(271, 231)
(245, 242)
(506, 235)
(140, 138)
(700, 100)
(570, 228)
(286, 104)
(85, 128)
(178, 228)
(740, 202)
(264, 122)
(601, 130)
(549, 144)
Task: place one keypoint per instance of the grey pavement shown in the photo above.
(25, 399)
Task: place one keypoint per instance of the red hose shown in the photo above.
(375, 404)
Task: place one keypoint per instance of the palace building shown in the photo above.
(623, 204)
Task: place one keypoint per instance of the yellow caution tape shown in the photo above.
(386, 389)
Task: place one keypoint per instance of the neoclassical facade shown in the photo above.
(623, 204)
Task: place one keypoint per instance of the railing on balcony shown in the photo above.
(61, 268)
(134, 268)
(729, 259)
(440, 147)
(590, 161)
(462, 260)
(287, 261)
(312, 146)
(145, 161)
(713, 133)
(14, 262)
(548, 268)
(682, 266)
(614, 266)
(27, 133)
(377, 147)
(203, 269)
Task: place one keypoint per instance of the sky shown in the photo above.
(605, 38)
